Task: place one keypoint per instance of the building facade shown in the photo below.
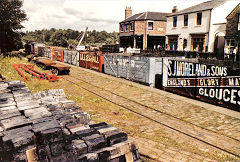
(144, 30)
(232, 38)
(199, 28)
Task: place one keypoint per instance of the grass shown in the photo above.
(104, 111)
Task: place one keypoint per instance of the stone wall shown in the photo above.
(232, 26)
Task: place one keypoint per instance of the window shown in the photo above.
(185, 20)
(127, 26)
(172, 43)
(150, 25)
(239, 21)
(132, 26)
(230, 45)
(198, 43)
(230, 42)
(199, 18)
(175, 21)
(121, 27)
(184, 44)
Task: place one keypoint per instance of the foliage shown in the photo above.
(60, 37)
(11, 17)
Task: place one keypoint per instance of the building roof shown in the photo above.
(234, 11)
(208, 5)
(160, 16)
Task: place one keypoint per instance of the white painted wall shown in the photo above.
(214, 31)
(184, 32)
(218, 20)
(212, 23)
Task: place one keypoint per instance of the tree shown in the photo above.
(58, 38)
(11, 17)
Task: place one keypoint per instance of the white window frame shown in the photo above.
(152, 25)
(184, 20)
(132, 25)
(173, 21)
(197, 19)
(229, 46)
(121, 27)
(126, 27)
(239, 21)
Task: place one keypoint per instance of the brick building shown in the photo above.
(144, 30)
(232, 38)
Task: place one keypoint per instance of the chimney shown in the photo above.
(174, 10)
(128, 12)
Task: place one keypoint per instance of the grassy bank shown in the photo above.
(140, 129)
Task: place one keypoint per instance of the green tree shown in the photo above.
(11, 16)
(58, 38)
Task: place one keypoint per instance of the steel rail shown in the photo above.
(159, 111)
(170, 127)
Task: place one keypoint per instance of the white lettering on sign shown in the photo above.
(209, 82)
(179, 82)
(201, 70)
(229, 81)
(181, 68)
(234, 81)
(126, 63)
(232, 95)
(90, 58)
(238, 102)
(218, 71)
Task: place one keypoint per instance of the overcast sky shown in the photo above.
(96, 14)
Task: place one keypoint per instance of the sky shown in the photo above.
(95, 14)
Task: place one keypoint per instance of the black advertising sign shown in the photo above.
(211, 83)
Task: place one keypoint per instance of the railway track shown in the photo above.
(151, 108)
(162, 118)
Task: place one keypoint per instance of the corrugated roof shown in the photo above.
(160, 16)
(200, 7)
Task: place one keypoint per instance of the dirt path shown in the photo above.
(157, 141)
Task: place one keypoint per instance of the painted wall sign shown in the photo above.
(214, 84)
(88, 57)
(181, 69)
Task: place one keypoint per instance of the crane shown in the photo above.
(78, 47)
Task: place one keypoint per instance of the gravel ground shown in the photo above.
(157, 141)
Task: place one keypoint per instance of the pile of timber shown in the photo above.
(56, 129)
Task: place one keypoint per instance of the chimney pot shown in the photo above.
(174, 10)
(128, 12)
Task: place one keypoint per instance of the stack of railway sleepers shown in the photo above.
(56, 127)
(15, 127)
(90, 142)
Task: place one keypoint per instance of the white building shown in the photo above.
(199, 28)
